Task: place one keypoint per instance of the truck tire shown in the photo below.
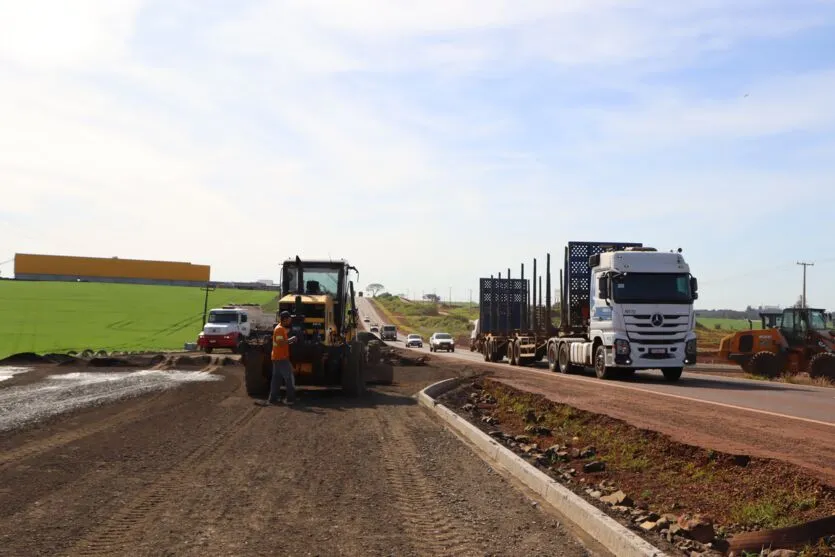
(565, 365)
(600, 368)
(552, 357)
(672, 374)
(822, 365)
(511, 354)
(485, 352)
(766, 364)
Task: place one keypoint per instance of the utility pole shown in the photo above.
(804, 278)
(207, 289)
(449, 300)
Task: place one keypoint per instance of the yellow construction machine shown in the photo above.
(320, 297)
(797, 340)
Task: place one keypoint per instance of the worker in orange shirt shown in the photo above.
(282, 368)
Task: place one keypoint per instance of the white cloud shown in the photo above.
(49, 34)
(354, 129)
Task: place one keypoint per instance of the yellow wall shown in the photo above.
(100, 267)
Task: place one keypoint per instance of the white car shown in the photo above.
(414, 340)
(441, 341)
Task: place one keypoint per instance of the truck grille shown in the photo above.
(643, 328)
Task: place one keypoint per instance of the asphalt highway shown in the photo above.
(797, 402)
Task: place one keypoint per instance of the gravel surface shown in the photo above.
(201, 470)
(61, 393)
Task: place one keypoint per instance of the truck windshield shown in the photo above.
(223, 317)
(652, 288)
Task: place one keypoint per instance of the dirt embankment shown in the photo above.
(201, 470)
(697, 499)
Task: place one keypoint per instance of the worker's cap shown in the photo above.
(284, 314)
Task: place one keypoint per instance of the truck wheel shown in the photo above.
(672, 374)
(511, 354)
(552, 357)
(565, 360)
(822, 365)
(485, 353)
(600, 368)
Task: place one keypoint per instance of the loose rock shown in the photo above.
(595, 466)
(697, 527)
(618, 498)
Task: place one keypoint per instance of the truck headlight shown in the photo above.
(622, 347)
(690, 347)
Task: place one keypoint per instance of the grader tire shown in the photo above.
(257, 372)
(353, 374)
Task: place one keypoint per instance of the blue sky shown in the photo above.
(429, 143)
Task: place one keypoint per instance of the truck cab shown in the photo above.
(624, 308)
(641, 309)
(224, 328)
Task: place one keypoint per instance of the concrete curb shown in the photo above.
(607, 531)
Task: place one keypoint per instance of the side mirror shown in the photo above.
(603, 287)
(694, 287)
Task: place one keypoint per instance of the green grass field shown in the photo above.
(44, 317)
(726, 324)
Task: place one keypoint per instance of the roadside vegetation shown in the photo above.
(653, 475)
(426, 317)
(43, 317)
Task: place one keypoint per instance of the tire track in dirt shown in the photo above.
(432, 531)
(60, 439)
(118, 533)
(41, 446)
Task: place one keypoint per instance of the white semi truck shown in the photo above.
(623, 308)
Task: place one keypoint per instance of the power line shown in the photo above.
(761, 271)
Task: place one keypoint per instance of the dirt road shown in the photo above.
(198, 469)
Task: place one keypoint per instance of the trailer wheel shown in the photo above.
(485, 352)
(600, 368)
(511, 354)
(552, 357)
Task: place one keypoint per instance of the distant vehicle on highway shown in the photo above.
(388, 332)
(414, 340)
(375, 330)
(441, 341)
(367, 320)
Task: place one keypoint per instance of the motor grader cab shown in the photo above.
(320, 297)
(799, 341)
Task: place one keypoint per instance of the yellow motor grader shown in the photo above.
(320, 297)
